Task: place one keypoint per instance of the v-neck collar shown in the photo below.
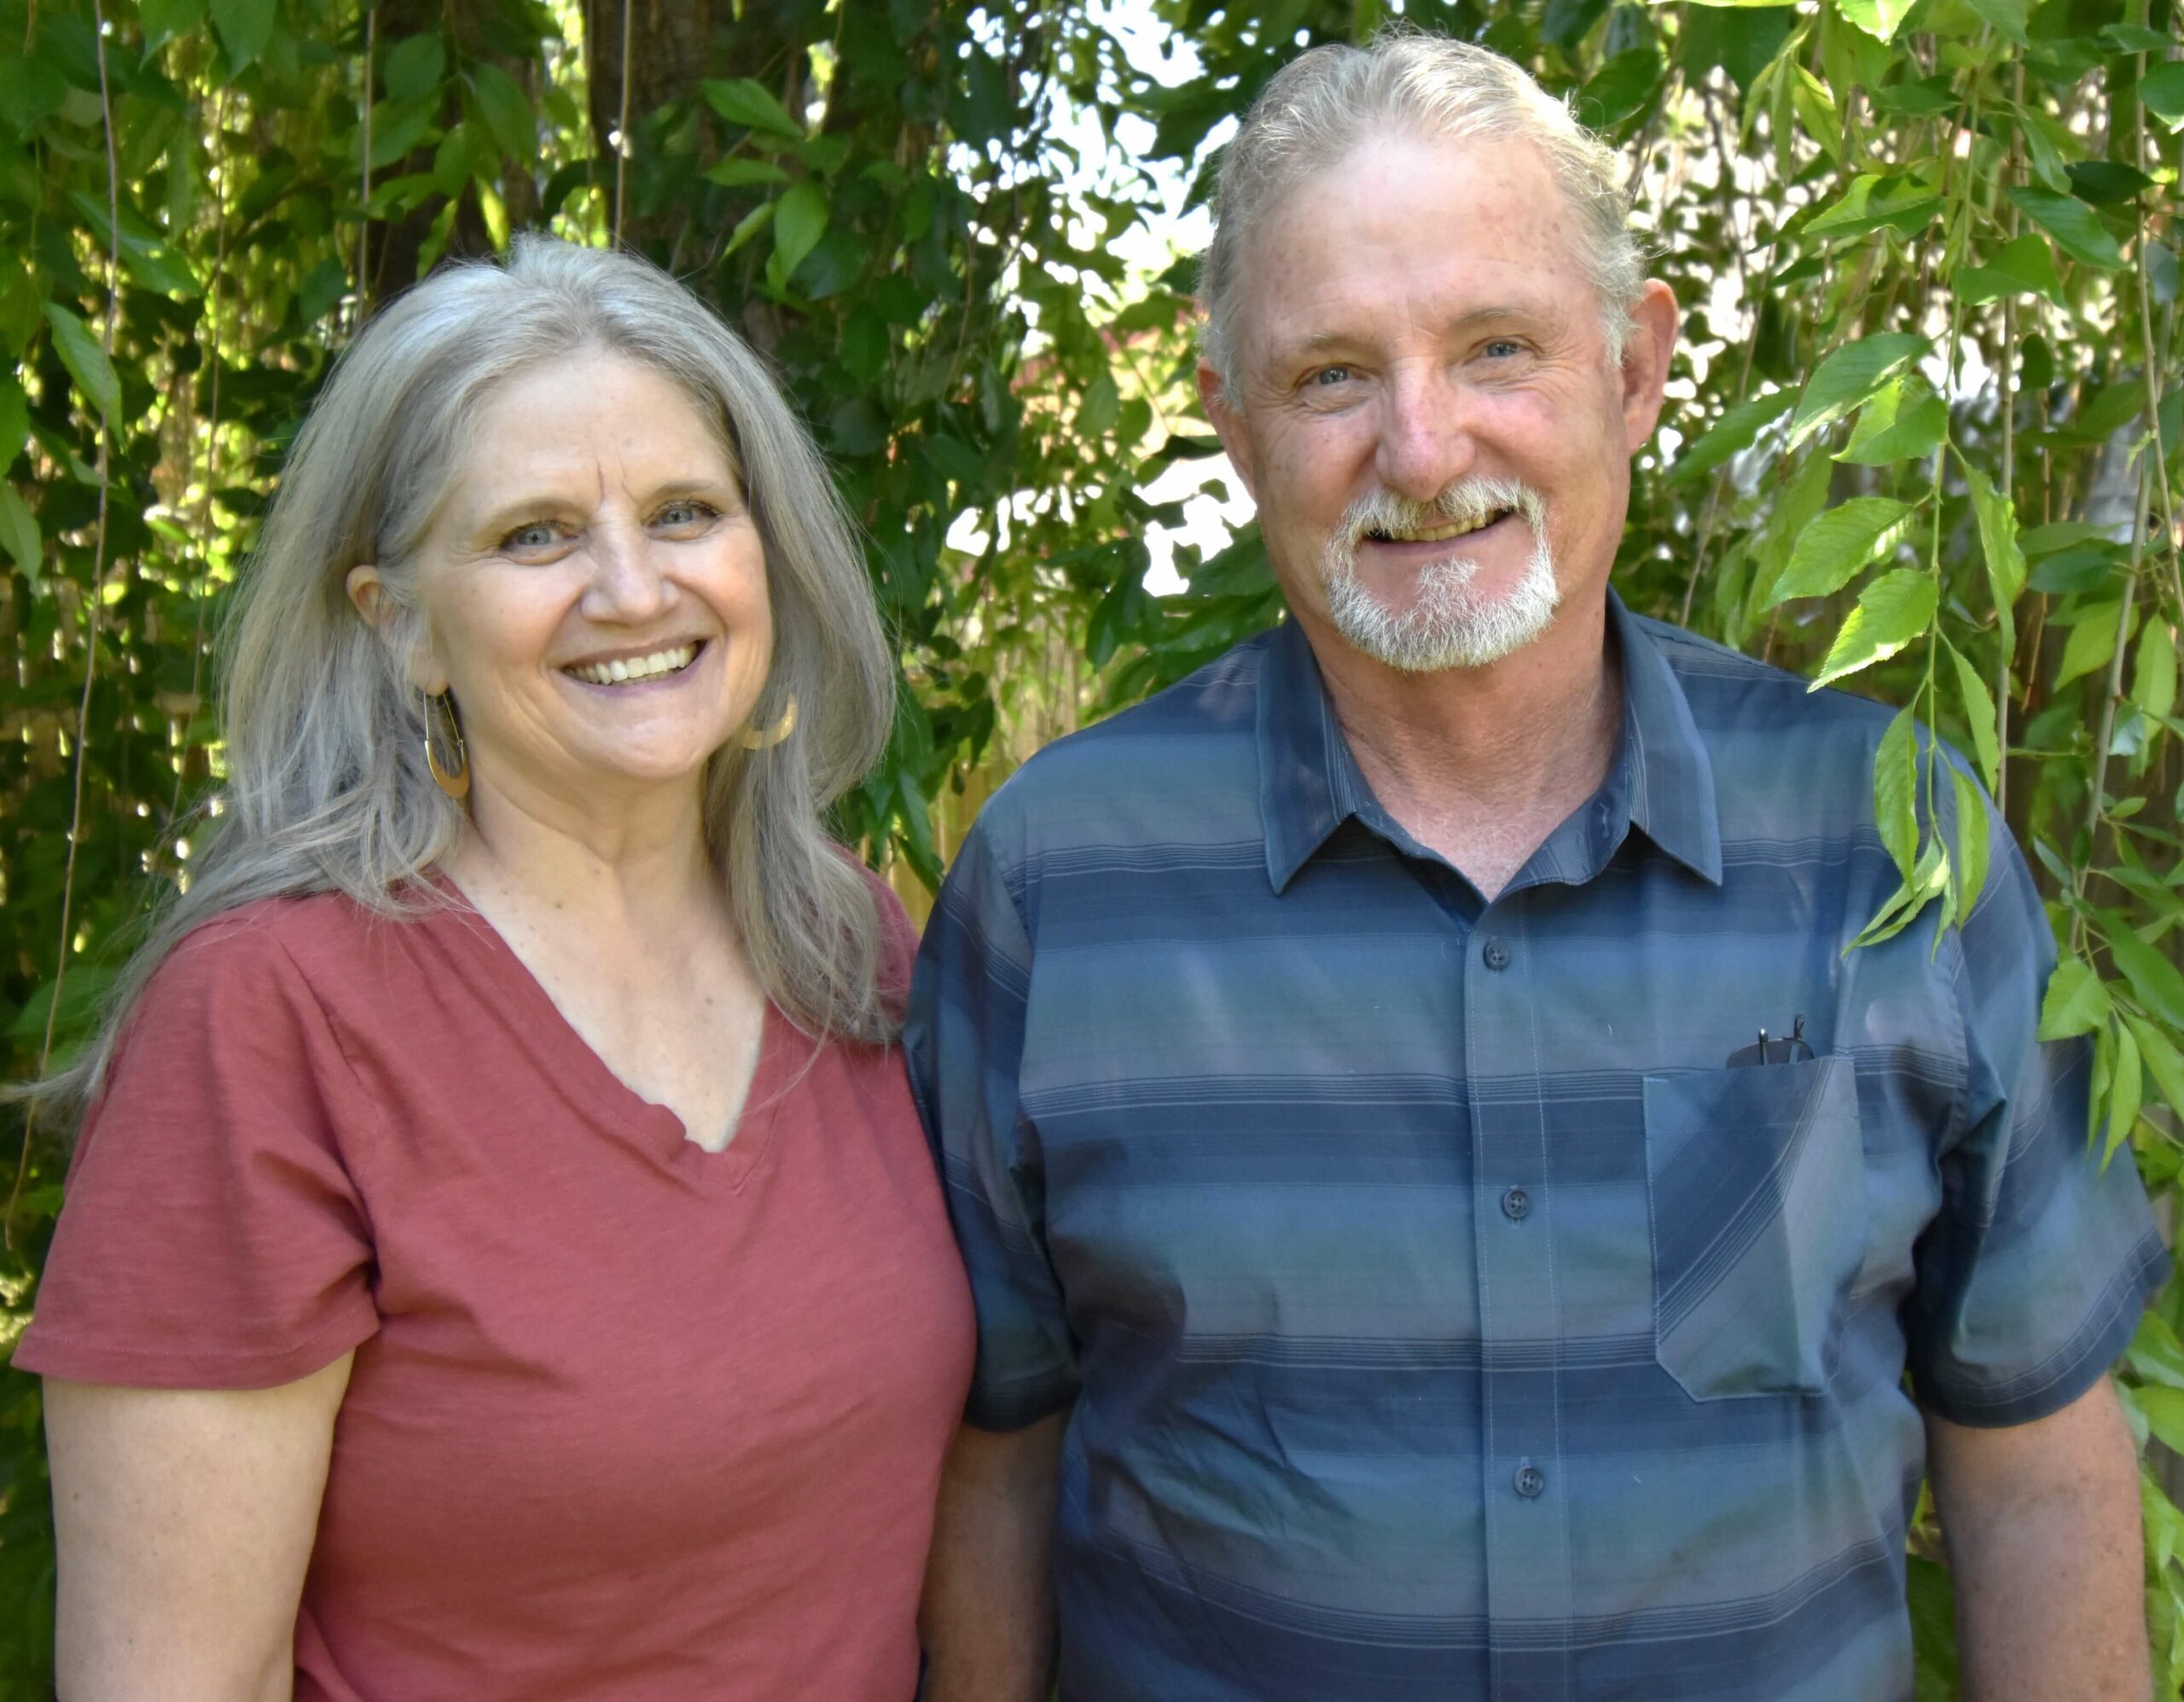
(589, 1082)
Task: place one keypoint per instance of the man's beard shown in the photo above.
(1449, 623)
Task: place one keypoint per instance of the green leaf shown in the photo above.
(2072, 224)
(2024, 267)
(747, 227)
(167, 20)
(2163, 1063)
(1879, 18)
(1998, 517)
(2076, 1002)
(1890, 429)
(2153, 678)
(1102, 407)
(244, 27)
(2161, 91)
(1622, 86)
(2007, 16)
(1902, 204)
(2126, 1090)
(30, 89)
(2155, 981)
(1927, 881)
(1895, 791)
(750, 104)
(15, 419)
(1972, 853)
(2092, 642)
(1734, 431)
(506, 109)
(734, 173)
(19, 532)
(2132, 38)
(1978, 714)
(798, 224)
(1892, 611)
(1847, 377)
(2163, 1409)
(1829, 552)
(411, 69)
(85, 359)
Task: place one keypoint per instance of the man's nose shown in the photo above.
(1425, 433)
(629, 584)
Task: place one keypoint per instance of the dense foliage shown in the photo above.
(1925, 438)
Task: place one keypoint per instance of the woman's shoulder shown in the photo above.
(296, 926)
(311, 940)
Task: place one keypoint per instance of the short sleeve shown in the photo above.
(965, 1043)
(212, 1237)
(2031, 1280)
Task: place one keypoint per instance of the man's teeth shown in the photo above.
(1437, 534)
(634, 668)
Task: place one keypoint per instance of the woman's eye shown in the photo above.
(685, 513)
(537, 535)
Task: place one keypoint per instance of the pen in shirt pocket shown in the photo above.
(1792, 1048)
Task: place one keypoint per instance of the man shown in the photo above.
(1401, 1271)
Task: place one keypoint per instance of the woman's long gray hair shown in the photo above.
(327, 785)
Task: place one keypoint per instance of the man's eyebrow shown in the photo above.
(1309, 343)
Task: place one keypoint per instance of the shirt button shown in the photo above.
(1530, 1480)
(1495, 956)
(1517, 1203)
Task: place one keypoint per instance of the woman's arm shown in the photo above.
(185, 1519)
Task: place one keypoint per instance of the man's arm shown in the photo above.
(2041, 1521)
(988, 1616)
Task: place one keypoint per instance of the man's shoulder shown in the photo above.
(1734, 695)
(1188, 752)
(1790, 763)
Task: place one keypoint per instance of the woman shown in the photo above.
(502, 1257)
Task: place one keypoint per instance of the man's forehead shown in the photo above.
(1455, 231)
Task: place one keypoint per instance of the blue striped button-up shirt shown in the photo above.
(1442, 1316)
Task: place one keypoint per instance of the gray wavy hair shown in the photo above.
(327, 787)
(1323, 104)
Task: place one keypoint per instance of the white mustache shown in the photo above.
(1469, 502)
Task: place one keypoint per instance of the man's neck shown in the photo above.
(1481, 764)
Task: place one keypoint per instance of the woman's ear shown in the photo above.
(369, 594)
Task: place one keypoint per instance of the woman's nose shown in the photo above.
(628, 585)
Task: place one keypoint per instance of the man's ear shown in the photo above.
(1654, 319)
(1229, 425)
(369, 595)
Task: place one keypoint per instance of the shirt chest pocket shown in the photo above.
(1756, 1179)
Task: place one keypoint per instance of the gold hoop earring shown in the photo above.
(765, 738)
(457, 784)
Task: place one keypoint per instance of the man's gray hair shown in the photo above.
(1323, 104)
(326, 787)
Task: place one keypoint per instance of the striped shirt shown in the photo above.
(1443, 1315)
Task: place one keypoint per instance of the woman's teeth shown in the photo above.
(635, 668)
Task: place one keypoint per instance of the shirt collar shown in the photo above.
(1662, 782)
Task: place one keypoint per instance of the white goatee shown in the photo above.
(1449, 623)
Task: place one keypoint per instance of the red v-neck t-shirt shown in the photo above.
(627, 1418)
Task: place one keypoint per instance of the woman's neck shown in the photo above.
(644, 870)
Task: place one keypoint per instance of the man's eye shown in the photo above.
(1328, 376)
(1503, 348)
